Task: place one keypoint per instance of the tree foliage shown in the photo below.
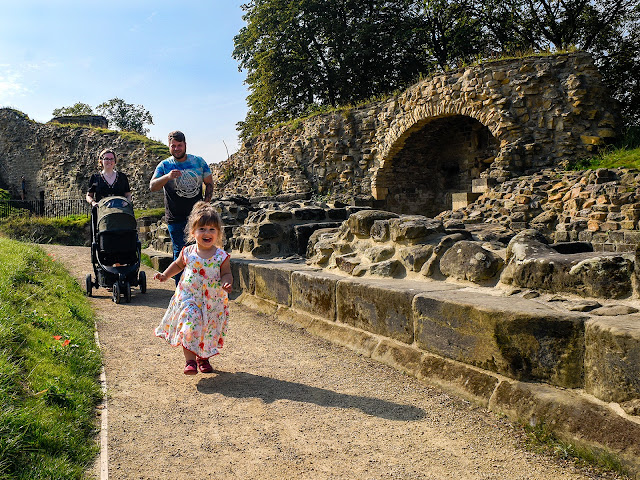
(307, 53)
(78, 108)
(301, 55)
(126, 116)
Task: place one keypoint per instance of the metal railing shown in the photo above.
(50, 208)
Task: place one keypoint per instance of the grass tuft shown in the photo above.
(540, 439)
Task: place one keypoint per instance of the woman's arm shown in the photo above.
(90, 199)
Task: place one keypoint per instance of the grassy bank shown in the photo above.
(69, 230)
(49, 368)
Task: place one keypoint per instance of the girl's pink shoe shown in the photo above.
(204, 365)
(190, 368)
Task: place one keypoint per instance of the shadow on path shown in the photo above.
(247, 385)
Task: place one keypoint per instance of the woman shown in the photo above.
(108, 182)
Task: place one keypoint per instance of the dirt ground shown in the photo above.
(283, 404)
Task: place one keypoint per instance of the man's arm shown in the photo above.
(157, 183)
(208, 188)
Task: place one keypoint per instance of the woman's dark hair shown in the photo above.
(103, 153)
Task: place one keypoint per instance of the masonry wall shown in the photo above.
(58, 160)
(538, 111)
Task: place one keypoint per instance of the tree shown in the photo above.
(304, 54)
(126, 116)
(608, 29)
(451, 32)
(77, 109)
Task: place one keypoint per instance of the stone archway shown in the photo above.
(438, 156)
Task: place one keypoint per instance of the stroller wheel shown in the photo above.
(89, 284)
(127, 292)
(142, 281)
(115, 294)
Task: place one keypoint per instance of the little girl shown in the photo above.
(199, 309)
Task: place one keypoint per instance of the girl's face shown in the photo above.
(206, 236)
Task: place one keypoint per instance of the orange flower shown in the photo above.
(65, 343)
(57, 337)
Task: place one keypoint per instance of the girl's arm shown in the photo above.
(226, 278)
(176, 267)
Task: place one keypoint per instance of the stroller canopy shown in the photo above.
(115, 213)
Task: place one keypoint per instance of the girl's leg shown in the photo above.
(191, 367)
(188, 355)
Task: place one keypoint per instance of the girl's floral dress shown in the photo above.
(199, 309)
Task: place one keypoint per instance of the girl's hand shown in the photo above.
(160, 276)
(226, 286)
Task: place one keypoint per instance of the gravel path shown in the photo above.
(283, 404)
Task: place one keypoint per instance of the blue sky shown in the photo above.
(174, 58)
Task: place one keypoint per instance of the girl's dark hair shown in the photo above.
(204, 213)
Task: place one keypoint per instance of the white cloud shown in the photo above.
(11, 85)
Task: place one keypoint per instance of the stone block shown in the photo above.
(337, 214)
(482, 185)
(413, 228)
(612, 358)
(315, 293)
(462, 199)
(268, 231)
(519, 338)
(360, 223)
(272, 280)
(160, 261)
(241, 276)
(302, 233)
(571, 417)
(469, 382)
(377, 307)
(309, 213)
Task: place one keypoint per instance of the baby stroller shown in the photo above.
(115, 249)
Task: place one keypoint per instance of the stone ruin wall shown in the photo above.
(58, 160)
(494, 120)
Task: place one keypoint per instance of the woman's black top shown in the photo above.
(101, 189)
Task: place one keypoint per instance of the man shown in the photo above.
(181, 176)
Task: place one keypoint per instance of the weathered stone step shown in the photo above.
(529, 359)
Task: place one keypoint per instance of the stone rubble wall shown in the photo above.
(601, 207)
(541, 111)
(58, 160)
(89, 120)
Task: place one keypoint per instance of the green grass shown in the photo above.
(625, 154)
(70, 230)
(146, 260)
(149, 212)
(49, 386)
(540, 439)
(615, 158)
